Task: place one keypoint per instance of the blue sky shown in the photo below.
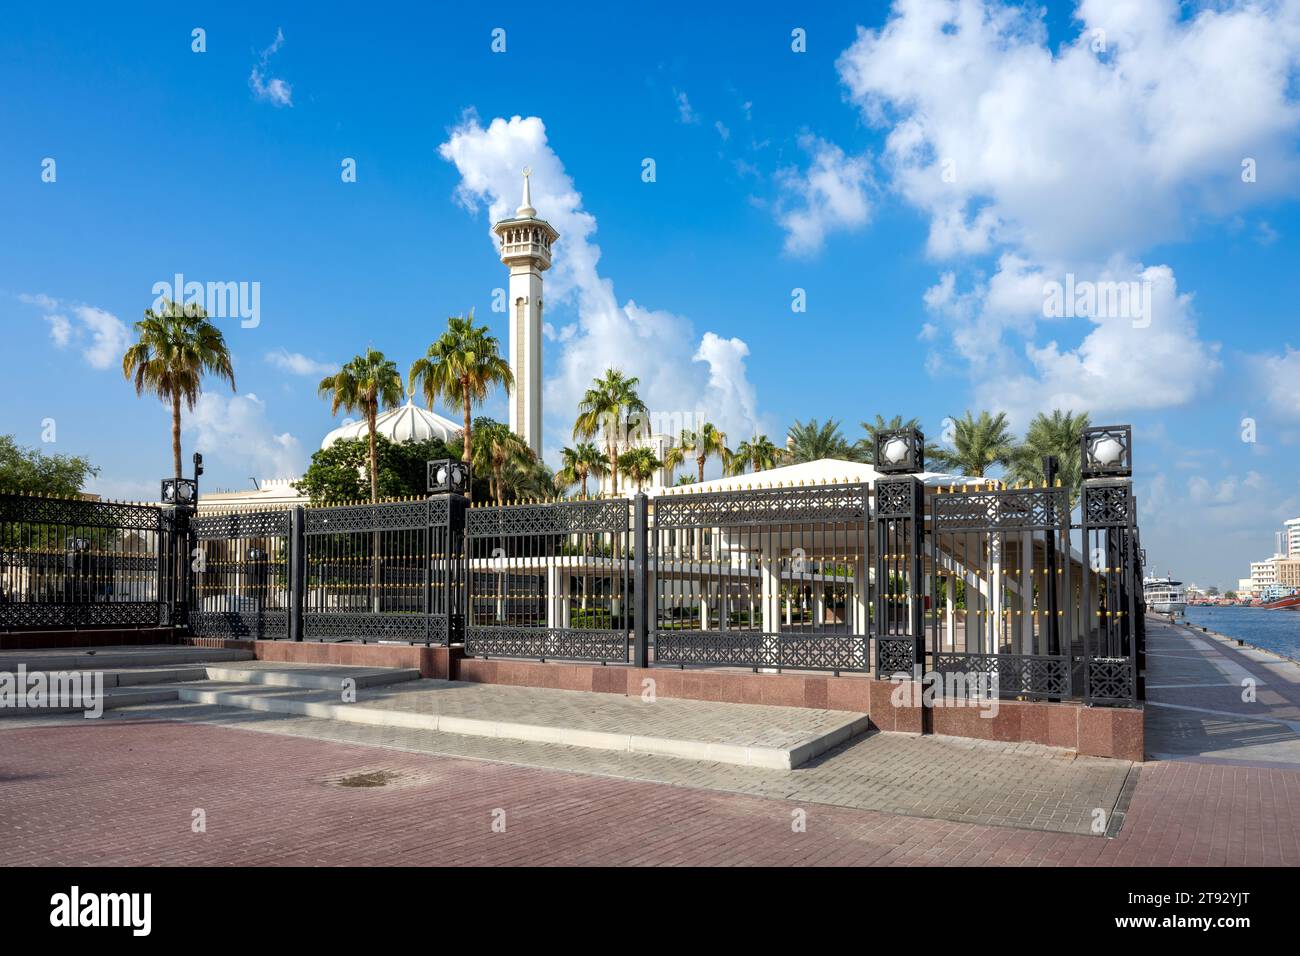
(922, 182)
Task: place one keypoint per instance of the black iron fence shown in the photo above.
(907, 574)
(69, 563)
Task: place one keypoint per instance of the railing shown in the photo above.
(772, 578)
(974, 585)
(67, 563)
(550, 581)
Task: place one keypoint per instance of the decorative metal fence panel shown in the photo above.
(550, 580)
(71, 562)
(392, 571)
(765, 578)
(1001, 591)
(240, 568)
(898, 586)
(1111, 594)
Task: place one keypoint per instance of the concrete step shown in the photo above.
(113, 699)
(308, 676)
(114, 658)
(743, 734)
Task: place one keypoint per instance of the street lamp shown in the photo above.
(1107, 451)
(447, 476)
(900, 451)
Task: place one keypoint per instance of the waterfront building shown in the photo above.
(1291, 538)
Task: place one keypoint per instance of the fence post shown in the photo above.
(900, 619)
(641, 581)
(297, 571)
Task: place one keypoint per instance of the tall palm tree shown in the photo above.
(611, 405)
(459, 367)
(366, 384)
(577, 464)
(978, 444)
(639, 464)
(702, 444)
(758, 453)
(1057, 435)
(175, 349)
(866, 447)
(812, 442)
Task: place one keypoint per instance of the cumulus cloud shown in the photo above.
(101, 336)
(272, 89)
(233, 432)
(682, 373)
(1072, 161)
(295, 363)
(1279, 377)
(830, 195)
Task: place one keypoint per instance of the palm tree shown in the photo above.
(639, 464)
(610, 405)
(1059, 435)
(758, 453)
(812, 442)
(978, 444)
(176, 348)
(498, 449)
(702, 444)
(459, 367)
(366, 384)
(578, 463)
(866, 447)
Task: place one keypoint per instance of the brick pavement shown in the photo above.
(122, 792)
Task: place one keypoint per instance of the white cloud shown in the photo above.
(101, 336)
(233, 433)
(1279, 376)
(831, 194)
(685, 112)
(1074, 160)
(298, 364)
(272, 89)
(680, 372)
(1076, 154)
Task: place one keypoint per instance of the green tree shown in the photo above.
(639, 464)
(460, 367)
(1057, 434)
(812, 442)
(499, 452)
(612, 406)
(31, 471)
(341, 472)
(978, 444)
(365, 385)
(702, 444)
(578, 464)
(758, 453)
(174, 350)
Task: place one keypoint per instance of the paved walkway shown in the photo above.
(943, 777)
(1199, 703)
(126, 792)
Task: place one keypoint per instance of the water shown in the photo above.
(1277, 631)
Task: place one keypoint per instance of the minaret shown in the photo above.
(526, 248)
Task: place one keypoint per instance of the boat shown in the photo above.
(1164, 595)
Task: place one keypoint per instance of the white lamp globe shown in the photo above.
(1107, 451)
(894, 451)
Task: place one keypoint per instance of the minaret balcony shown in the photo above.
(526, 250)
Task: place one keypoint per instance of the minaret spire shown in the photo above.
(526, 210)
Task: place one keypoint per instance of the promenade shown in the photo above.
(1224, 788)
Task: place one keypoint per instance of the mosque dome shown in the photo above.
(407, 423)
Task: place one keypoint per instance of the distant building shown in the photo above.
(1263, 574)
(1288, 572)
(1291, 538)
(1245, 587)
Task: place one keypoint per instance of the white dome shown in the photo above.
(409, 423)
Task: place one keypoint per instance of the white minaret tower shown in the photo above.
(526, 248)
